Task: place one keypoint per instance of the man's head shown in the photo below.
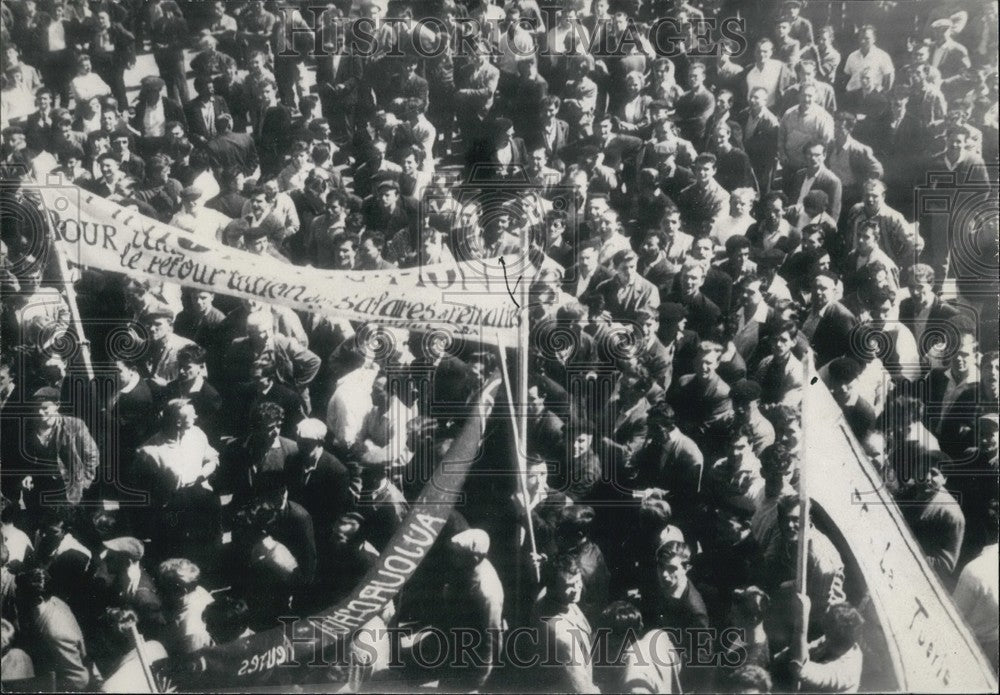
(673, 559)
(388, 194)
(764, 50)
(745, 395)
(758, 99)
(844, 373)
(702, 249)
(109, 166)
(879, 304)
(696, 75)
(956, 140)
(807, 96)
(346, 251)
(867, 237)
(966, 358)
(692, 278)
(789, 518)
(874, 196)
(709, 354)
(537, 473)
(265, 422)
(159, 322)
(260, 327)
(824, 289)
(704, 167)
(626, 265)
(751, 292)
(815, 153)
(191, 362)
(564, 579)
(179, 415)
(777, 464)
(866, 37)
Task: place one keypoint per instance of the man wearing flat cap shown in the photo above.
(949, 56)
(127, 585)
(388, 212)
(160, 356)
(381, 503)
(317, 480)
(801, 29)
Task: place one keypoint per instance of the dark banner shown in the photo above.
(307, 649)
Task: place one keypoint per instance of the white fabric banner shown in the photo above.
(468, 300)
(931, 649)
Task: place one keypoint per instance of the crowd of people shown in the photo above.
(702, 230)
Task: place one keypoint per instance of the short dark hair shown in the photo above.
(266, 413)
(193, 354)
(226, 618)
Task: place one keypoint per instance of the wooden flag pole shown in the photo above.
(140, 650)
(67, 285)
(800, 646)
(522, 469)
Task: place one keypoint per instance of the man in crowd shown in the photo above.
(630, 391)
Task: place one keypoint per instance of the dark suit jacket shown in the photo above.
(272, 134)
(124, 44)
(37, 137)
(413, 87)
(326, 494)
(703, 313)
(196, 122)
(172, 111)
(940, 312)
(833, 334)
(236, 460)
(560, 138)
(569, 284)
(762, 145)
(826, 181)
(247, 398)
(699, 403)
(233, 150)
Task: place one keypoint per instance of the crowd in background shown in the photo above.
(701, 229)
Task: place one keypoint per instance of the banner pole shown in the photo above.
(522, 472)
(74, 309)
(140, 650)
(800, 646)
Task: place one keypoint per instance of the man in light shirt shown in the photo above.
(768, 73)
(801, 125)
(870, 56)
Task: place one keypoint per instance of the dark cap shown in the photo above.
(387, 185)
